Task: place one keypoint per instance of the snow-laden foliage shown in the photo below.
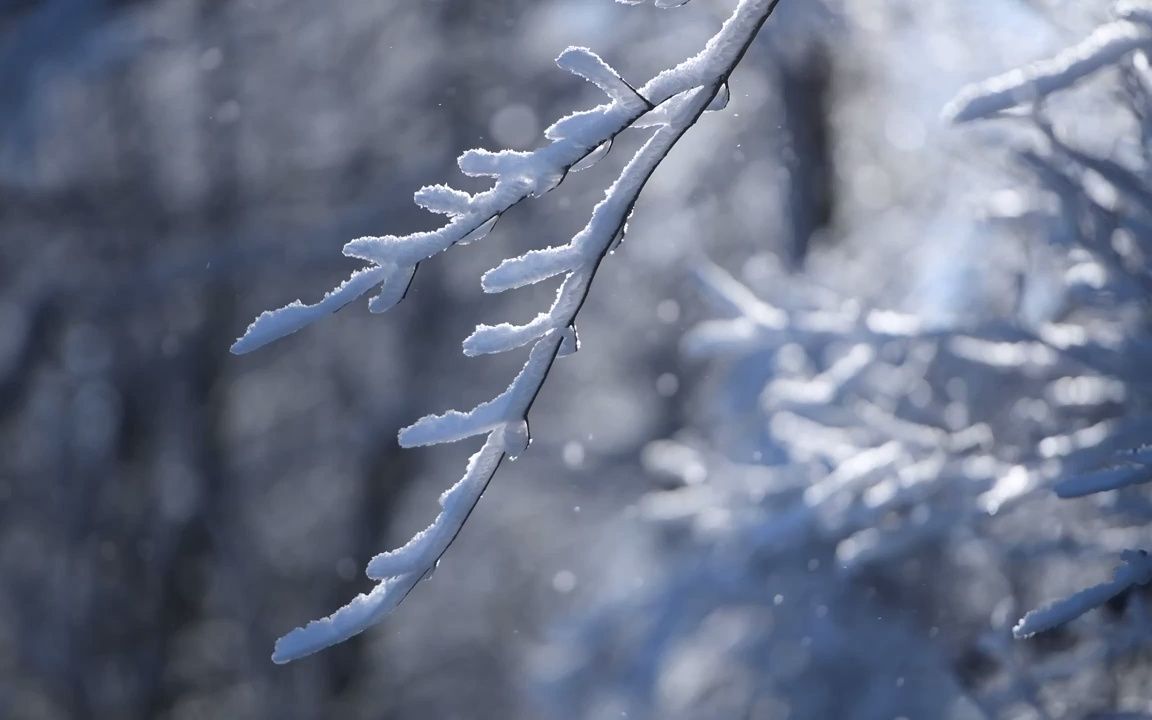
(849, 500)
(1072, 174)
(671, 103)
(872, 498)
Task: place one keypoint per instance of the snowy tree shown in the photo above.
(1114, 236)
(865, 471)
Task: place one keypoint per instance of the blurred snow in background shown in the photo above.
(835, 505)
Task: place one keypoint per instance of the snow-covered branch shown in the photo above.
(1031, 84)
(671, 102)
(1136, 570)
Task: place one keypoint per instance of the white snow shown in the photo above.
(393, 289)
(444, 200)
(486, 417)
(488, 339)
(588, 65)
(531, 267)
(275, 324)
(363, 612)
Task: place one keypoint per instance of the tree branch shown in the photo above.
(672, 102)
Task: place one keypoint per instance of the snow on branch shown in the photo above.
(1136, 570)
(588, 65)
(1130, 468)
(1104, 47)
(838, 410)
(756, 323)
(671, 103)
(520, 175)
(275, 324)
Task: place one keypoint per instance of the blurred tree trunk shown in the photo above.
(805, 85)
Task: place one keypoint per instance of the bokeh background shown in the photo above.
(715, 521)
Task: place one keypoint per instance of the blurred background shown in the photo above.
(754, 494)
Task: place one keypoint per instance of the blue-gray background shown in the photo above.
(170, 168)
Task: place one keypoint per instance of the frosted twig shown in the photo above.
(671, 102)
